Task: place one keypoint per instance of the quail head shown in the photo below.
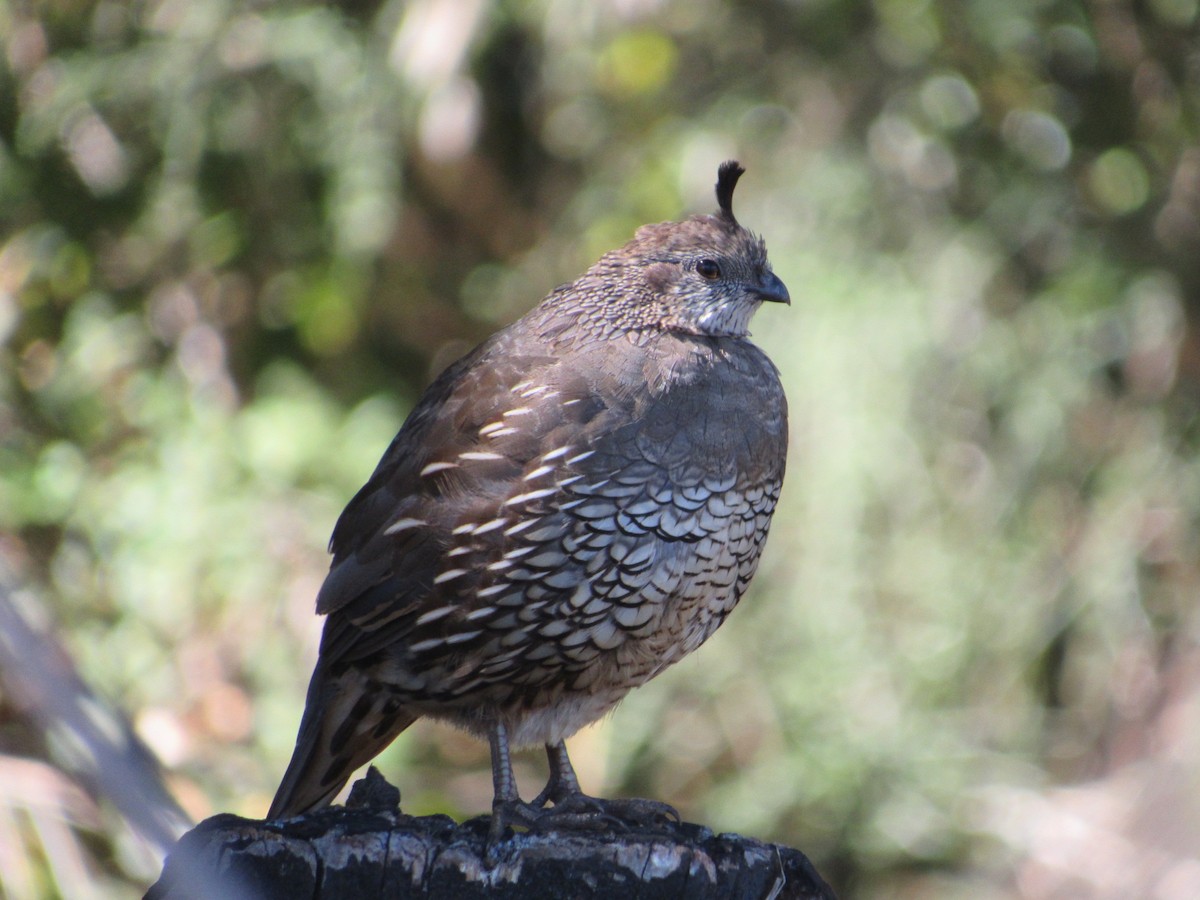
(569, 509)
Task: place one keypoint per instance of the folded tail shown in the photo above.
(348, 720)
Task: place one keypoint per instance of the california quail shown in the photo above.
(571, 508)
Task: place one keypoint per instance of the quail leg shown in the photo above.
(573, 808)
(507, 806)
(563, 782)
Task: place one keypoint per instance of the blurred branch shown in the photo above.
(39, 807)
(89, 739)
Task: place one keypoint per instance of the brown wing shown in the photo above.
(461, 456)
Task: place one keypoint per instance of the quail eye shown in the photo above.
(709, 269)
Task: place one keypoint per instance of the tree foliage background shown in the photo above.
(237, 238)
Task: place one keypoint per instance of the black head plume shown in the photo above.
(727, 178)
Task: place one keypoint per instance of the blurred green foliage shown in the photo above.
(236, 239)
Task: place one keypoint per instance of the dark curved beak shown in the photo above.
(771, 289)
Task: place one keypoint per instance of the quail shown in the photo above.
(571, 508)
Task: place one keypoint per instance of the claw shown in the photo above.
(633, 810)
(507, 813)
